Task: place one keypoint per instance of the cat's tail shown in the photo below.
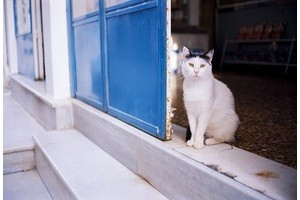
(188, 134)
(225, 132)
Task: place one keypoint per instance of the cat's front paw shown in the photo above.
(190, 143)
(212, 141)
(198, 145)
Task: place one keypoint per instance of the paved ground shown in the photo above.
(18, 126)
(24, 186)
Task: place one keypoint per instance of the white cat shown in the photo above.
(209, 103)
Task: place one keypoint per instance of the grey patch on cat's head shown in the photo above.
(206, 56)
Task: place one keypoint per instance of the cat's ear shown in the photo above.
(210, 55)
(185, 52)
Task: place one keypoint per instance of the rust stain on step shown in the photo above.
(267, 174)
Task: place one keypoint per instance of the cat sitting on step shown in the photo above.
(209, 103)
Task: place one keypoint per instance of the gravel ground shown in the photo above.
(267, 110)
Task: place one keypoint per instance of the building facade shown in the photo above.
(112, 55)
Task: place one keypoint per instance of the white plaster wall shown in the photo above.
(11, 56)
(5, 63)
(56, 48)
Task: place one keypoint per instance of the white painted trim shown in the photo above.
(34, 39)
(56, 48)
(37, 37)
(169, 110)
(11, 37)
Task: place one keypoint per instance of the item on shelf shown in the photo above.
(279, 52)
(177, 16)
(273, 57)
(177, 2)
(242, 33)
(261, 55)
(179, 13)
(251, 56)
(293, 59)
(278, 30)
(258, 30)
(249, 33)
(267, 33)
(282, 56)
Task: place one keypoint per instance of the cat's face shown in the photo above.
(196, 66)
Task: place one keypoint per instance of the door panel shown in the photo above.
(24, 38)
(88, 63)
(87, 67)
(133, 67)
(114, 2)
(82, 8)
(137, 66)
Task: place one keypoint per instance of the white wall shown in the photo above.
(56, 48)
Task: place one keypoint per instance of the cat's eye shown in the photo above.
(191, 64)
(201, 66)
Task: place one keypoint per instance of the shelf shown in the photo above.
(257, 44)
(183, 28)
(242, 4)
(260, 40)
(254, 63)
(179, 7)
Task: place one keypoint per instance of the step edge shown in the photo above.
(18, 149)
(53, 166)
(144, 138)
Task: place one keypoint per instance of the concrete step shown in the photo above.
(182, 172)
(72, 167)
(18, 145)
(24, 186)
(50, 113)
(178, 171)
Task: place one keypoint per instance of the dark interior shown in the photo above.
(255, 55)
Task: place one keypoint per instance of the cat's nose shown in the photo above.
(196, 72)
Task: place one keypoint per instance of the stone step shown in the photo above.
(72, 167)
(178, 171)
(182, 172)
(18, 161)
(18, 146)
(24, 186)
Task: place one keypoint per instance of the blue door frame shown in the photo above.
(118, 62)
(24, 38)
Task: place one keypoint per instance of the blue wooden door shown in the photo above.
(136, 63)
(120, 60)
(23, 28)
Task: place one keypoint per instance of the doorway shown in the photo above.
(29, 37)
